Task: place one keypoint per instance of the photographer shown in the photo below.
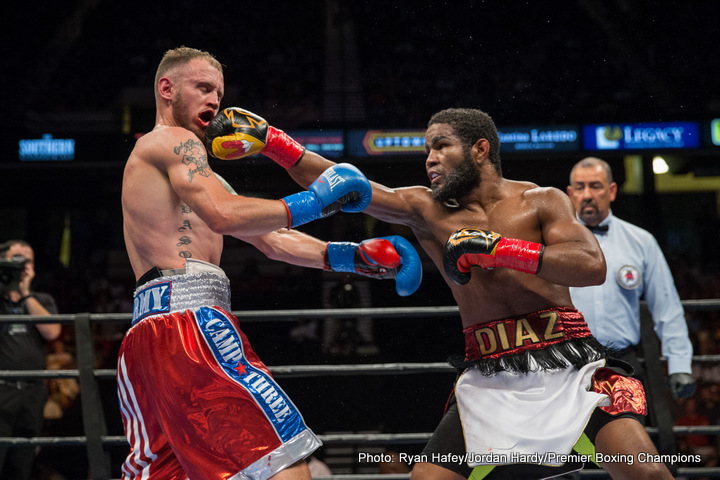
(22, 347)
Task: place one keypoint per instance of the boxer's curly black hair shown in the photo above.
(471, 125)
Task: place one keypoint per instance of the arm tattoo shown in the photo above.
(193, 155)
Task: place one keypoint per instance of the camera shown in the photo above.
(11, 270)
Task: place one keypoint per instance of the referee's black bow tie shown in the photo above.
(598, 228)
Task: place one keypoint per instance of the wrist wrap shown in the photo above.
(340, 256)
(519, 255)
(282, 148)
(302, 207)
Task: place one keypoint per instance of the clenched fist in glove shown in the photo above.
(340, 187)
(236, 133)
(468, 246)
(385, 257)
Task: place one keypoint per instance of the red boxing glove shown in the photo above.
(467, 247)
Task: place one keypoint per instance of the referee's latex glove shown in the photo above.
(682, 385)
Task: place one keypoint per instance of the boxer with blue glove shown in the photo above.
(217, 397)
(381, 258)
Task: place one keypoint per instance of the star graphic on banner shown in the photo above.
(240, 368)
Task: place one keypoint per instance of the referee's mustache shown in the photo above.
(587, 203)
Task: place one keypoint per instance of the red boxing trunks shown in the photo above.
(196, 401)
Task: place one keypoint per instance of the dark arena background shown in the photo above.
(357, 81)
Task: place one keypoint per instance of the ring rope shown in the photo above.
(330, 439)
(83, 319)
(305, 370)
(277, 315)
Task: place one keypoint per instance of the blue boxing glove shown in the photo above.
(385, 257)
(340, 187)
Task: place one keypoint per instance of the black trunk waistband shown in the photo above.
(155, 272)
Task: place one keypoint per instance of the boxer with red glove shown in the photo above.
(468, 246)
(235, 133)
(385, 257)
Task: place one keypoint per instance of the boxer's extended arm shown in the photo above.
(401, 206)
(386, 257)
(236, 133)
(382, 258)
(340, 187)
(290, 246)
(183, 157)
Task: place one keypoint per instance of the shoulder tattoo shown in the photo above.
(194, 156)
